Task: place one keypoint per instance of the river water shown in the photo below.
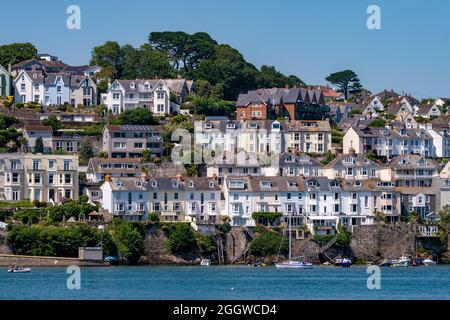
(227, 282)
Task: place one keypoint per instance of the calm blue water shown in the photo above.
(227, 282)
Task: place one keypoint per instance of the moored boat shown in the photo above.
(346, 263)
(299, 264)
(386, 263)
(18, 270)
(429, 262)
(205, 262)
(402, 262)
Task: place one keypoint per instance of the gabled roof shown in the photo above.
(132, 128)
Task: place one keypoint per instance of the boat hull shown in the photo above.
(25, 270)
(293, 266)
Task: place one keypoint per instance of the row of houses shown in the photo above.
(315, 201)
(389, 141)
(48, 81)
(40, 177)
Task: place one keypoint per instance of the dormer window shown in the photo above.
(358, 183)
(231, 126)
(208, 125)
(139, 183)
(119, 183)
(253, 126)
(276, 125)
(312, 183)
(348, 160)
(292, 183)
(265, 184)
(191, 184)
(211, 184)
(289, 158)
(175, 184)
(154, 183)
(335, 184)
(132, 85)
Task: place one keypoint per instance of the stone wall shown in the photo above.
(34, 261)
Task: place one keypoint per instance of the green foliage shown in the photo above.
(204, 242)
(336, 136)
(267, 244)
(52, 240)
(138, 116)
(146, 62)
(53, 122)
(210, 106)
(128, 239)
(10, 140)
(346, 81)
(224, 228)
(39, 145)
(6, 121)
(266, 217)
(269, 77)
(28, 216)
(16, 52)
(323, 238)
(70, 209)
(377, 123)
(354, 111)
(180, 237)
(85, 152)
(343, 237)
(328, 157)
(154, 217)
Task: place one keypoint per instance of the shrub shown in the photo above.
(205, 243)
(129, 241)
(344, 237)
(154, 217)
(180, 237)
(266, 217)
(267, 244)
(224, 228)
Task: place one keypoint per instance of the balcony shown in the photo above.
(36, 168)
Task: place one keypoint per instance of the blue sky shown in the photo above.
(310, 39)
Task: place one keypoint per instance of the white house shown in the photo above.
(129, 94)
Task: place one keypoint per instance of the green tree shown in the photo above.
(378, 123)
(185, 51)
(345, 80)
(53, 122)
(146, 62)
(180, 237)
(228, 68)
(269, 77)
(110, 54)
(39, 145)
(85, 152)
(138, 116)
(129, 241)
(16, 52)
(268, 243)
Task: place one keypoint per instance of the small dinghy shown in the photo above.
(205, 262)
(18, 270)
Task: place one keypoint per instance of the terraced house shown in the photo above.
(47, 178)
(55, 88)
(5, 82)
(129, 141)
(288, 103)
(173, 199)
(389, 142)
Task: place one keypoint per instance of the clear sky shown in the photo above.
(310, 39)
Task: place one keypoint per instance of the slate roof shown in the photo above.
(129, 127)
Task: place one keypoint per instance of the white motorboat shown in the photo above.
(402, 262)
(19, 270)
(297, 263)
(429, 262)
(205, 262)
(294, 264)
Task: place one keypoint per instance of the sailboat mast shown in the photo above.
(290, 235)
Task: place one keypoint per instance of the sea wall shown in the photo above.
(35, 261)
